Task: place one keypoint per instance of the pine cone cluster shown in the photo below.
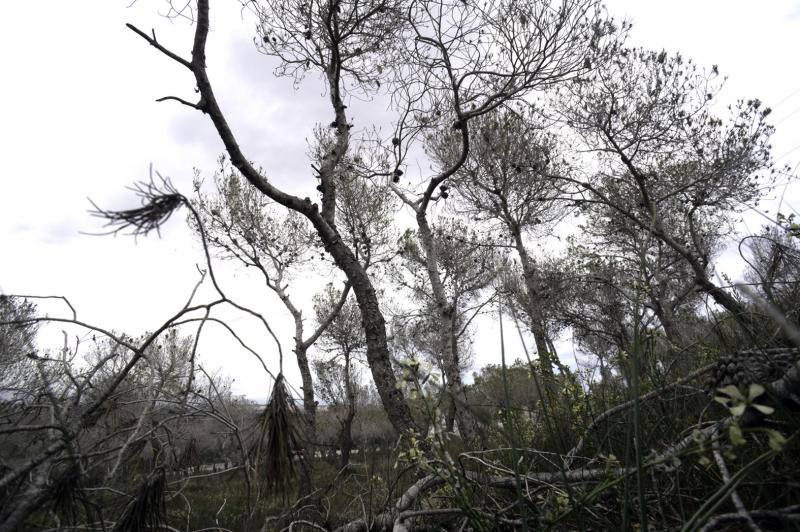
(761, 366)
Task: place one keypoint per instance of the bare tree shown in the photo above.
(86, 423)
(86, 418)
(339, 25)
(246, 226)
(667, 170)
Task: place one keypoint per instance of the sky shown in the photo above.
(80, 121)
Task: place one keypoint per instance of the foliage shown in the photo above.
(678, 414)
(17, 334)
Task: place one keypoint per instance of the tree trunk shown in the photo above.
(346, 439)
(374, 324)
(667, 323)
(35, 496)
(310, 411)
(450, 415)
(536, 318)
(467, 425)
(346, 435)
(309, 434)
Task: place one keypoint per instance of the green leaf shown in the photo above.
(776, 440)
(722, 400)
(732, 391)
(738, 410)
(735, 434)
(755, 390)
(764, 409)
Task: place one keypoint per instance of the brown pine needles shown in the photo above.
(159, 200)
(277, 441)
(148, 509)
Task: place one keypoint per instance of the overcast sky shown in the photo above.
(79, 120)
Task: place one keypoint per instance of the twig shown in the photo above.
(735, 498)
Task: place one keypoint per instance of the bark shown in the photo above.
(536, 319)
(310, 411)
(346, 441)
(723, 298)
(700, 270)
(467, 425)
(665, 317)
(374, 324)
(346, 434)
(699, 267)
(309, 402)
(450, 415)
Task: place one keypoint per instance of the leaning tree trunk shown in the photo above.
(34, 497)
(665, 317)
(378, 356)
